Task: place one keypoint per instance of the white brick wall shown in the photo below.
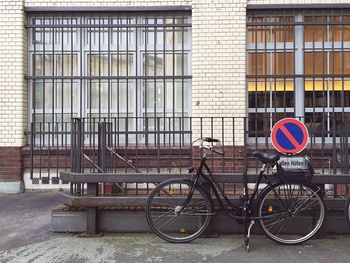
(218, 64)
(12, 69)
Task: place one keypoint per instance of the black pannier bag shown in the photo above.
(295, 168)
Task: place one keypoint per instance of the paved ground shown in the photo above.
(25, 237)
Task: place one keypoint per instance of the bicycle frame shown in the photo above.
(212, 184)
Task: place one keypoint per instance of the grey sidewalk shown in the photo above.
(25, 237)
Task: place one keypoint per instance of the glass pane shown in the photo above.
(150, 62)
(98, 95)
(314, 32)
(341, 62)
(258, 64)
(123, 65)
(315, 62)
(283, 93)
(43, 65)
(346, 28)
(97, 65)
(336, 121)
(259, 99)
(38, 99)
(178, 67)
(155, 95)
(283, 63)
(67, 94)
(339, 92)
(316, 93)
(43, 95)
(259, 124)
(126, 96)
(335, 31)
(123, 96)
(67, 67)
(316, 124)
(282, 33)
(122, 36)
(177, 94)
(257, 33)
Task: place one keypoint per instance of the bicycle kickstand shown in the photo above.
(247, 235)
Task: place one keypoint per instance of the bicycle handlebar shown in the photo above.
(211, 148)
(208, 139)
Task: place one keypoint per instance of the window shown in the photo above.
(128, 65)
(298, 64)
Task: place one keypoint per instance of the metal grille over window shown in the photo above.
(115, 65)
(298, 64)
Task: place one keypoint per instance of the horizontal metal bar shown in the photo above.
(311, 76)
(120, 132)
(108, 25)
(106, 77)
(296, 6)
(107, 9)
(295, 23)
(139, 201)
(160, 177)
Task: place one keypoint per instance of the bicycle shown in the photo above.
(347, 210)
(179, 210)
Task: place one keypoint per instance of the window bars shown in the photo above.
(107, 65)
(298, 64)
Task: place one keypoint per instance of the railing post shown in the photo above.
(76, 144)
(102, 150)
(346, 148)
(334, 145)
(91, 211)
(245, 163)
(158, 142)
(32, 130)
(104, 141)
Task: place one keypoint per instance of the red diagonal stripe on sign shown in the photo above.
(289, 136)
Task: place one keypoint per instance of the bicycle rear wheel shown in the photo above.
(347, 210)
(170, 219)
(291, 213)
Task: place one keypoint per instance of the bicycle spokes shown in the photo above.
(175, 216)
(291, 213)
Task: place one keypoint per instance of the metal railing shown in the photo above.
(163, 145)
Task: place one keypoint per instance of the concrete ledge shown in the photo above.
(68, 222)
(134, 221)
(11, 187)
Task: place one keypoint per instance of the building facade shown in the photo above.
(148, 64)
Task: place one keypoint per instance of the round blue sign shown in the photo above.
(289, 136)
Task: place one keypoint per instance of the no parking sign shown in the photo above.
(289, 136)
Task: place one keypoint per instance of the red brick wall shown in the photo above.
(11, 165)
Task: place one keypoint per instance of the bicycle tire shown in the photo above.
(166, 199)
(347, 210)
(300, 208)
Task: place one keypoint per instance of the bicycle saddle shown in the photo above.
(269, 157)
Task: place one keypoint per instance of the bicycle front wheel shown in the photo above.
(291, 213)
(171, 217)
